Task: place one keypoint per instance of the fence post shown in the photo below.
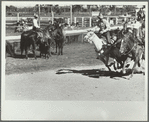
(39, 14)
(17, 17)
(108, 19)
(68, 21)
(116, 22)
(90, 22)
(82, 21)
(75, 19)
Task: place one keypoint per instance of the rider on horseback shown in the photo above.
(137, 26)
(35, 24)
(137, 31)
(36, 28)
(102, 28)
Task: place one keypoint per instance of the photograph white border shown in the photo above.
(72, 110)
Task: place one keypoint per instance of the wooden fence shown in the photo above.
(83, 21)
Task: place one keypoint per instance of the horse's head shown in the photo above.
(51, 28)
(127, 43)
(88, 36)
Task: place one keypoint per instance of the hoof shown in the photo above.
(129, 77)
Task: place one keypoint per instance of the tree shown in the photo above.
(7, 9)
(77, 8)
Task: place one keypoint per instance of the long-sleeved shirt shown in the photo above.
(103, 26)
(35, 24)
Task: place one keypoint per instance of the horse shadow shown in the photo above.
(97, 73)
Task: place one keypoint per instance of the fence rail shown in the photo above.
(67, 32)
(83, 21)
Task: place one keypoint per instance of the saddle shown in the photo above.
(39, 34)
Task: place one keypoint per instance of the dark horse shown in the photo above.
(32, 38)
(113, 52)
(59, 37)
(131, 48)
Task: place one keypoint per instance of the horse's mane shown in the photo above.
(46, 28)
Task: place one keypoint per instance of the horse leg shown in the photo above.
(45, 56)
(26, 52)
(49, 50)
(133, 69)
(123, 70)
(61, 48)
(56, 47)
(101, 57)
(137, 61)
(114, 65)
(121, 65)
(34, 54)
(21, 50)
(34, 46)
(40, 54)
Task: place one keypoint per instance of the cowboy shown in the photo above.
(141, 14)
(137, 30)
(103, 28)
(36, 27)
(35, 24)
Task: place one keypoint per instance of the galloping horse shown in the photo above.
(130, 47)
(104, 52)
(30, 37)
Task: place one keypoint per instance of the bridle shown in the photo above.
(135, 44)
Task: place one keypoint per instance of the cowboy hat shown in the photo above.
(100, 16)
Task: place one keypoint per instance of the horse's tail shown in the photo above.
(9, 49)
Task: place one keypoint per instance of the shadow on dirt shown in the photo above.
(97, 73)
(30, 55)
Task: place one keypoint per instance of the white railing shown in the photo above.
(83, 21)
(67, 32)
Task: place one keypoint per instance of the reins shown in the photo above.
(130, 50)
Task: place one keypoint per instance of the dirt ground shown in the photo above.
(75, 54)
(76, 75)
(76, 83)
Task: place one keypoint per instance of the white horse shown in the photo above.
(92, 38)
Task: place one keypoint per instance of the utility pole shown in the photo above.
(52, 14)
(70, 14)
(39, 14)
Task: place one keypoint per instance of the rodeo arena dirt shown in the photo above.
(70, 59)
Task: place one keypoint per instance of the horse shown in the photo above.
(103, 51)
(59, 37)
(33, 38)
(28, 38)
(130, 47)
